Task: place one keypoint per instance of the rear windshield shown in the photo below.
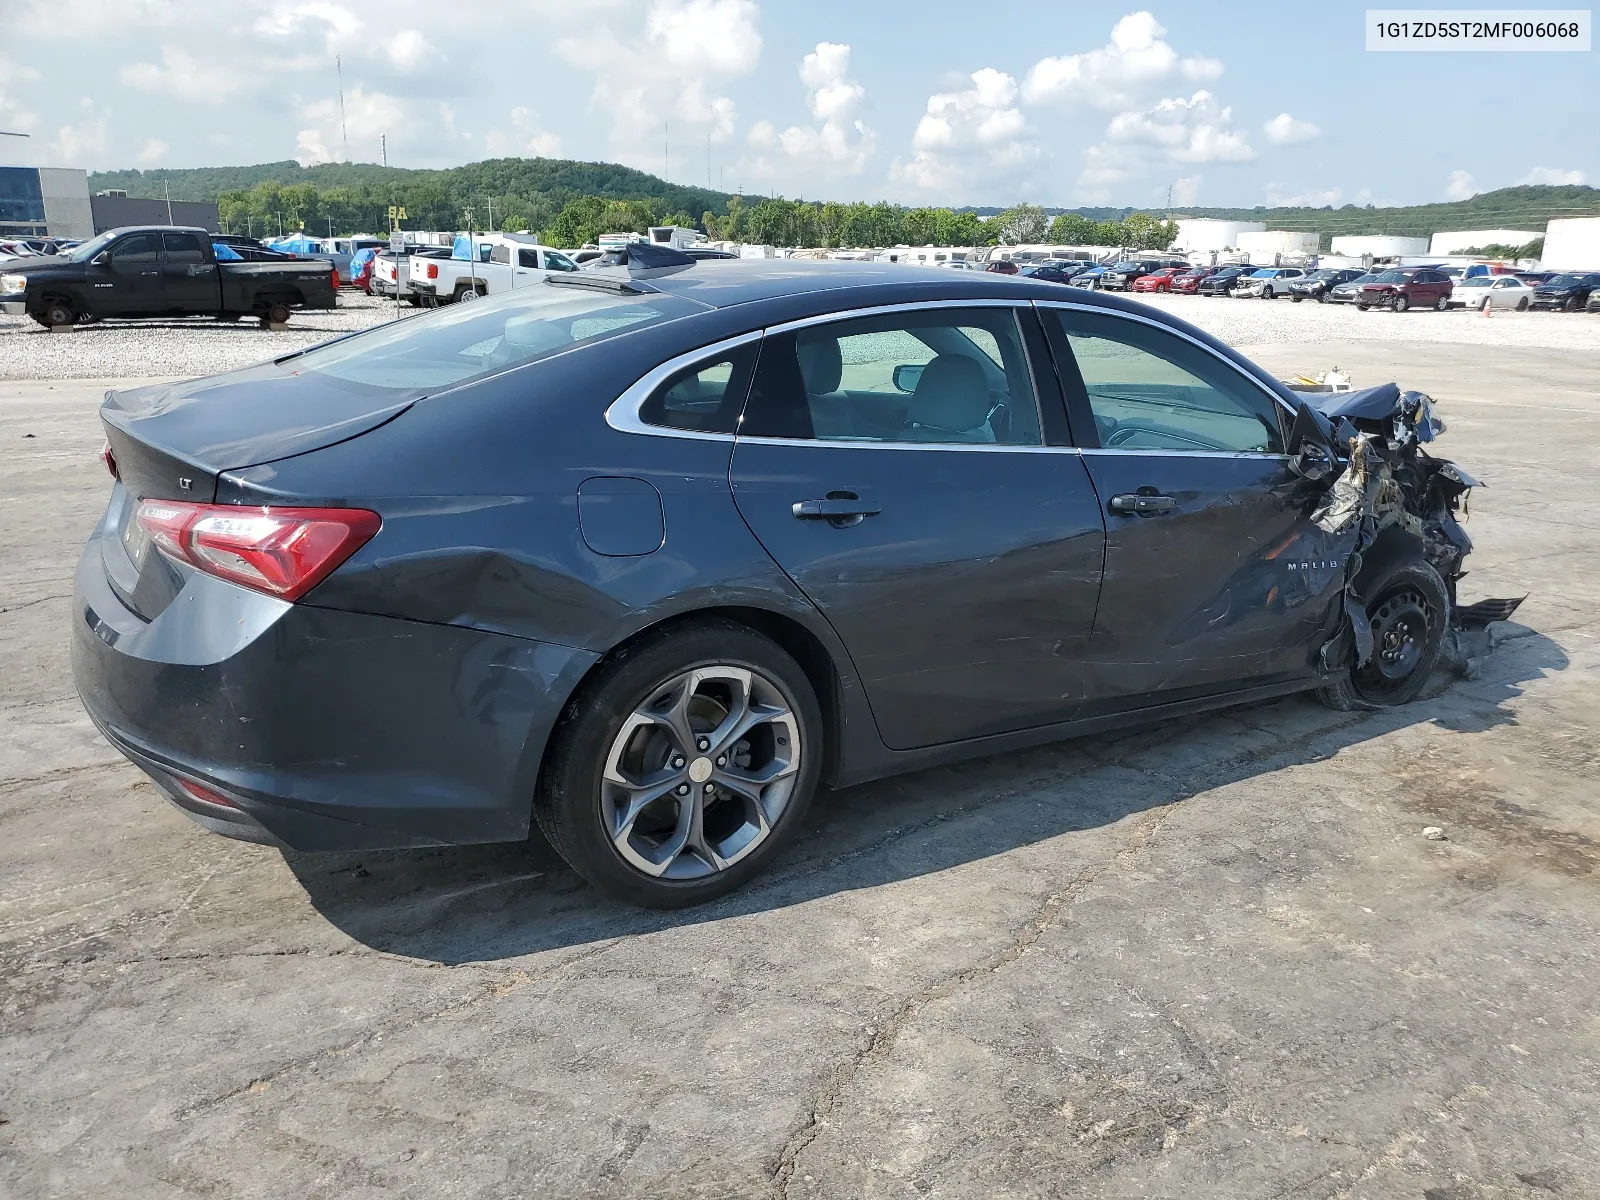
(459, 343)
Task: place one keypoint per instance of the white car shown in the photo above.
(1268, 283)
(1497, 291)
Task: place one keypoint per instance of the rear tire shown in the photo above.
(1410, 610)
(1442, 303)
(278, 313)
(587, 802)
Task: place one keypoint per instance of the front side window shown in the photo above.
(1151, 390)
(933, 376)
(134, 253)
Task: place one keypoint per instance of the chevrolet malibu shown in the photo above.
(642, 556)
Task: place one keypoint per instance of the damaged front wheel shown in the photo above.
(1409, 610)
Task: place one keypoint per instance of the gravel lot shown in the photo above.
(1213, 960)
(185, 348)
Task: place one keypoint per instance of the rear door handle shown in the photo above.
(1141, 505)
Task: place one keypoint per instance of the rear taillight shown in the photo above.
(110, 461)
(433, 270)
(204, 793)
(283, 552)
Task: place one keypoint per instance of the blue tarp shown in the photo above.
(298, 245)
(461, 248)
(225, 252)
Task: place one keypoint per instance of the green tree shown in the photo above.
(1072, 229)
(1109, 233)
(1023, 223)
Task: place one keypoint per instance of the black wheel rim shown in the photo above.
(1403, 623)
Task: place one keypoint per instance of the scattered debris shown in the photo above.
(1433, 833)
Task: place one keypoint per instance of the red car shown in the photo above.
(1187, 283)
(1407, 287)
(1158, 281)
(1002, 266)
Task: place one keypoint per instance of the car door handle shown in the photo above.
(834, 508)
(1142, 505)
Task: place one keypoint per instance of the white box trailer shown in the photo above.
(1572, 244)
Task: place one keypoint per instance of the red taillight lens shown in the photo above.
(433, 270)
(110, 461)
(283, 552)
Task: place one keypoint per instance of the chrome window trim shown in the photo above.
(851, 314)
(623, 412)
(985, 447)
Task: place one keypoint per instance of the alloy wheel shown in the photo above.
(700, 772)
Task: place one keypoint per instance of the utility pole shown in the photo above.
(383, 143)
(166, 190)
(339, 67)
(490, 202)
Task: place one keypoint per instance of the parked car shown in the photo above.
(1089, 278)
(1001, 266)
(769, 525)
(1495, 291)
(1120, 277)
(1052, 272)
(1222, 282)
(1267, 283)
(695, 252)
(1318, 284)
(391, 272)
(159, 271)
(1407, 287)
(1188, 282)
(1157, 281)
(361, 269)
(1349, 293)
(1569, 292)
(1594, 301)
(501, 265)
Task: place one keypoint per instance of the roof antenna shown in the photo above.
(339, 67)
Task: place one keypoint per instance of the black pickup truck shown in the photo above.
(160, 271)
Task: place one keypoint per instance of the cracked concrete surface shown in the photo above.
(1214, 958)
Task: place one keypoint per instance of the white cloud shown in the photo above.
(152, 152)
(1286, 130)
(408, 49)
(842, 141)
(1186, 190)
(1118, 75)
(336, 26)
(368, 115)
(665, 72)
(969, 137)
(524, 138)
(1550, 176)
(1176, 131)
(1279, 196)
(1461, 186)
(77, 145)
(184, 77)
(13, 115)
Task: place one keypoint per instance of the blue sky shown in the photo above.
(1060, 103)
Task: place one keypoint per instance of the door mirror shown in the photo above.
(1311, 450)
(101, 259)
(907, 376)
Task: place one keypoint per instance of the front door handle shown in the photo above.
(1140, 504)
(832, 509)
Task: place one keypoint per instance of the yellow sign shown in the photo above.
(393, 212)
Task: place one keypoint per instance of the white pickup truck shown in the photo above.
(503, 261)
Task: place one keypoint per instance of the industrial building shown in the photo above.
(1206, 235)
(1572, 244)
(114, 209)
(1471, 239)
(1378, 246)
(1266, 246)
(45, 202)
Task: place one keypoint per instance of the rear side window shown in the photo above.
(1151, 390)
(705, 397)
(527, 258)
(183, 249)
(453, 345)
(937, 376)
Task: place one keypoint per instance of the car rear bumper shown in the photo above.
(323, 729)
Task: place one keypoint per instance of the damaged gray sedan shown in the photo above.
(644, 555)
